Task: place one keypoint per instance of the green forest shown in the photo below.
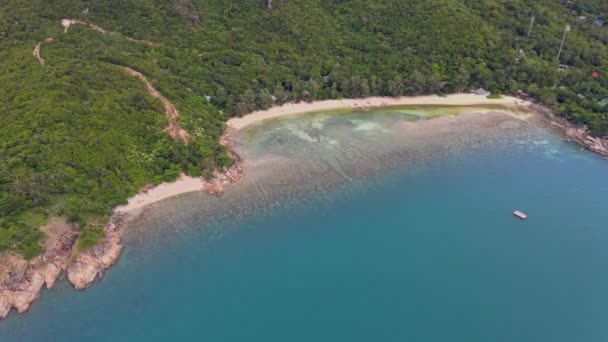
(79, 135)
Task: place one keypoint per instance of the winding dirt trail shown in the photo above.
(66, 23)
(143, 41)
(36, 51)
(69, 22)
(173, 127)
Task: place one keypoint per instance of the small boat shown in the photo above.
(520, 215)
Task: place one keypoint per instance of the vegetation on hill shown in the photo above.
(79, 135)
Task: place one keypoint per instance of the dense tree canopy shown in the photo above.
(79, 135)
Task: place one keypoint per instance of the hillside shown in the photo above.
(81, 131)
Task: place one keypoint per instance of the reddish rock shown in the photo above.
(21, 280)
(231, 175)
(581, 135)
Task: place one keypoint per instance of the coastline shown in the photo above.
(160, 192)
(288, 109)
(187, 184)
(197, 243)
(23, 280)
(577, 134)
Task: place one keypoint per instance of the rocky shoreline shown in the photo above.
(572, 132)
(580, 135)
(21, 281)
(231, 175)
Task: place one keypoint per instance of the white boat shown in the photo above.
(520, 214)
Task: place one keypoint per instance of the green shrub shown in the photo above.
(89, 237)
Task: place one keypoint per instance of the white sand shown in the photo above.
(189, 184)
(163, 191)
(306, 107)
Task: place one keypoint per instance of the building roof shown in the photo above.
(481, 91)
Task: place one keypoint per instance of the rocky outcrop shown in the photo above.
(21, 280)
(20, 284)
(224, 177)
(581, 135)
(51, 273)
(577, 133)
(230, 175)
(92, 263)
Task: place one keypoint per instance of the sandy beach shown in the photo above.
(307, 107)
(187, 184)
(165, 190)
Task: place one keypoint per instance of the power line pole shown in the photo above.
(532, 20)
(566, 30)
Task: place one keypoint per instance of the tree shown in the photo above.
(375, 85)
(396, 86)
(264, 99)
(280, 94)
(416, 84)
(246, 102)
(355, 87)
(312, 87)
(462, 78)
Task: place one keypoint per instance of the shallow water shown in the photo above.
(362, 227)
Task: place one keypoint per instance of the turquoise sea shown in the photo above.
(363, 226)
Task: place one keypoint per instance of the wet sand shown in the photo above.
(372, 102)
(431, 130)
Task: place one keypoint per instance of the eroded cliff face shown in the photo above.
(22, 280)
(87, 266)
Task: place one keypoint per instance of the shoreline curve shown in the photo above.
(289, 109)
(186, 184)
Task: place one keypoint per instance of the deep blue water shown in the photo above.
(430, 253)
